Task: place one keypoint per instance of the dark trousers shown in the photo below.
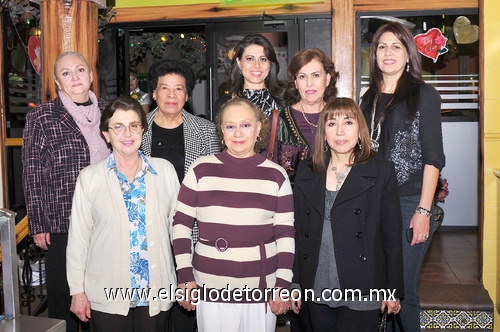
(300, 322)
(137, 320)
(183, 320)
(342, 319)
(58, 298)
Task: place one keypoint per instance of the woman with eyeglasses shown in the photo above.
(119, 231)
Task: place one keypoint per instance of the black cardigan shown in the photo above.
(411, 146)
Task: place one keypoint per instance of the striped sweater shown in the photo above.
(244, 204)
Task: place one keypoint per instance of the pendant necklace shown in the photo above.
(312, 125)
(374, 140)
(340, 176)
(304, 115)
(87, 116)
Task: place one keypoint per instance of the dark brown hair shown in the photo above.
(335, 108)
(406, 88)
(236, 81)
(299, 60)
(124, 103)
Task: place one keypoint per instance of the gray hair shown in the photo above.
(65, 54)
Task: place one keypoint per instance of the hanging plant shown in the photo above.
(191, 48)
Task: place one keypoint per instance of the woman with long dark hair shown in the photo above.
(253, 75)
(403, 114)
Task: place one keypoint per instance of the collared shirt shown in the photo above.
(134, 195)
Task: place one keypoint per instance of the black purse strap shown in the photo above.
(382, 324)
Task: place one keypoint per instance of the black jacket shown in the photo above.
(366, 226)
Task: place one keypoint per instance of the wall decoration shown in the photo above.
(35, 54)
(464, 31)
(18, 58)
(431, 44)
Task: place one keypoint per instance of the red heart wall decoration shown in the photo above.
(34, 51)
(431, 44)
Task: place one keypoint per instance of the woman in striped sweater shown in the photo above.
(244, 207)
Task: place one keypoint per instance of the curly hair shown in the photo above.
(299, 60)
(261, 144)
(171, 66)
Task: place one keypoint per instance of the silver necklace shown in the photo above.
(340, 176)
(374, 140)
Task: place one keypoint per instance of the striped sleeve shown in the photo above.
(184, 217)
(284, 234)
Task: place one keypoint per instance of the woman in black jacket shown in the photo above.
(348, 226)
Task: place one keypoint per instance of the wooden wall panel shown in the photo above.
(211, 11)
(76, 27)
(378, 5)
(344, 46)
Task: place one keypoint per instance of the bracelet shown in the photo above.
(423, 211)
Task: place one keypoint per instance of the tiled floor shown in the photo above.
(452, 258)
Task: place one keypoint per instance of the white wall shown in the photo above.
(461, 147)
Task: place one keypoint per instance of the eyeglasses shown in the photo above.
(119, 129)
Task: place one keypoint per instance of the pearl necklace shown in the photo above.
(340, 176)
(374, 140)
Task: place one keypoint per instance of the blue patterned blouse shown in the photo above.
(134, 195)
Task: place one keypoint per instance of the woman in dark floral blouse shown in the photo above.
(310, 85)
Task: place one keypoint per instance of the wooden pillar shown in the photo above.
(343, 44)
(67, 25)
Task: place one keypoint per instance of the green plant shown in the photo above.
(191, 48)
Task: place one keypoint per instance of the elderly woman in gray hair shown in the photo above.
(61, 137)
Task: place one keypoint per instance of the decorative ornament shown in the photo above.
(34, 53)
(431, 44)
(465, 32)
(18, 58)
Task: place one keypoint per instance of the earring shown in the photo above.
(222, 142)
(359, 145)
(408, 66)
(326, 147)
(241, 72)
(259, 139)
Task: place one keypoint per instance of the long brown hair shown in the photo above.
(334, 108)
